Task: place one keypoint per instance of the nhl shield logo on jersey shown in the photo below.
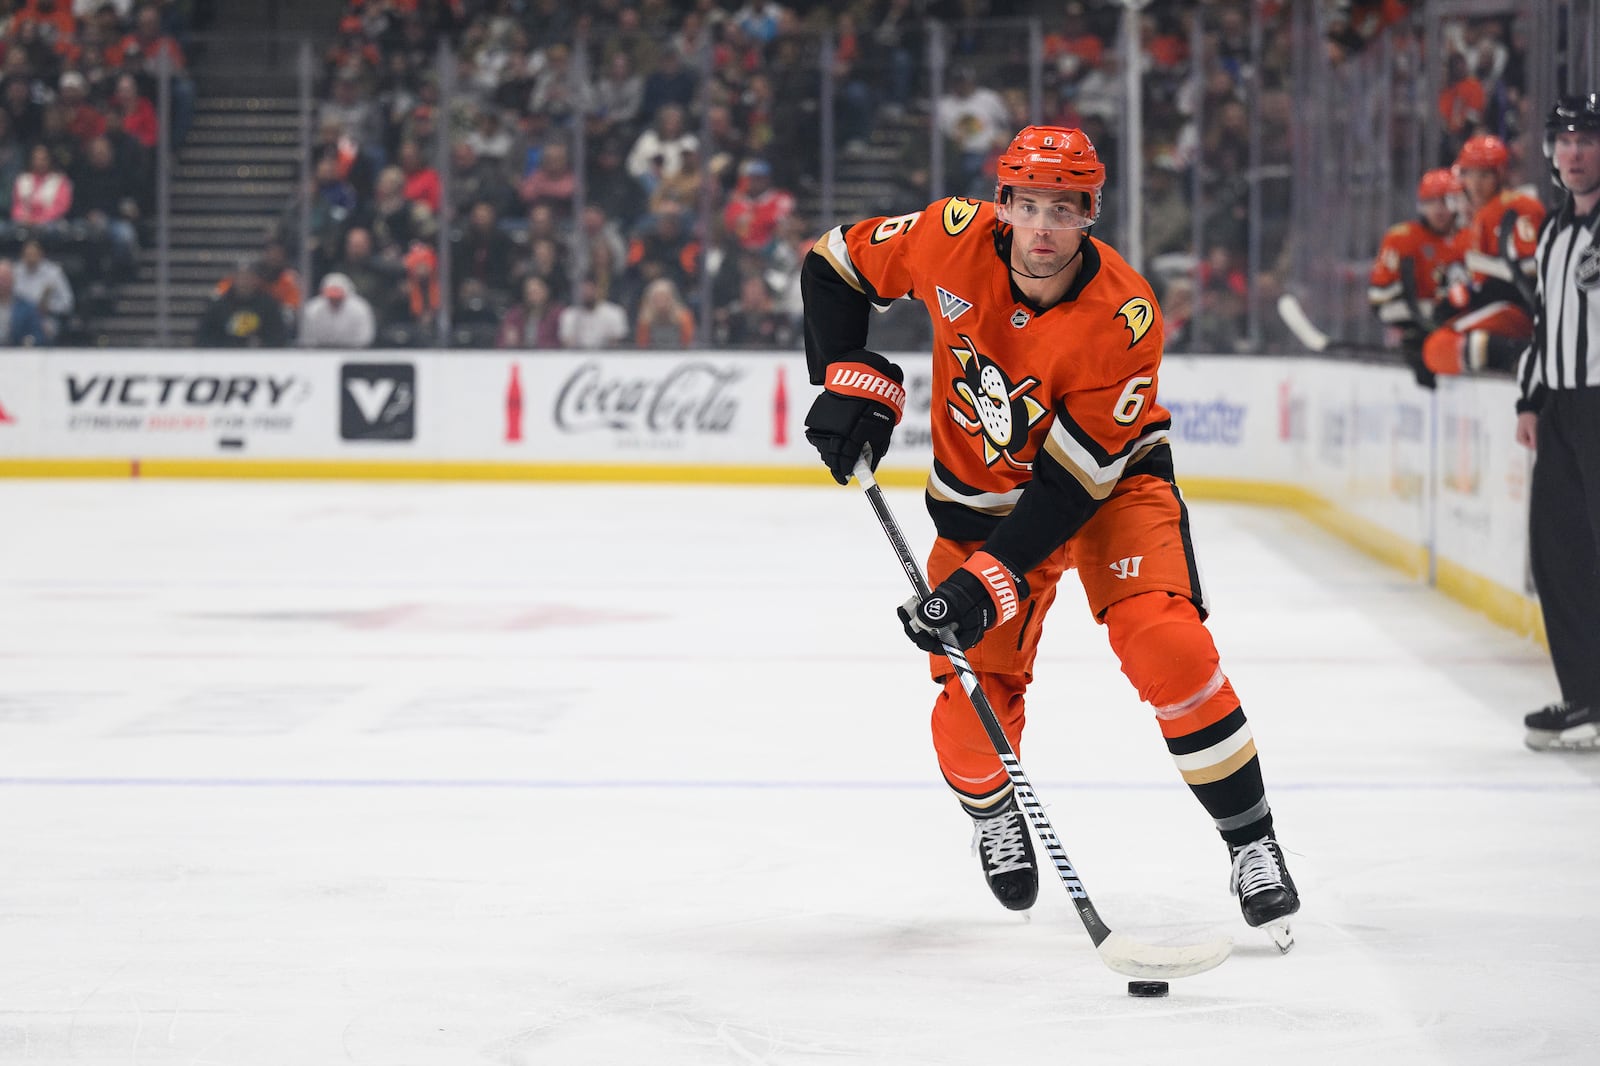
(1019, 318)
(1138, 315)
(958, 214)
(1587, 274)
(991, 408)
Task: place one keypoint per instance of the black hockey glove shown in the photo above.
(1411, 340)
(982, 594)
(861, 403)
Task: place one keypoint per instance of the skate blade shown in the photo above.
(1282, 936)
(1584, 737)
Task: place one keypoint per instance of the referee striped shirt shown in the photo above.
(1566, 325)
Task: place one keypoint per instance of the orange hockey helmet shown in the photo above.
(1485, 151)
(1050, 157)
(1438, 184)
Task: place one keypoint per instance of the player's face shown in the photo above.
(1577, 159)
(1047, 226)
(1481, 185)
(1438, 214)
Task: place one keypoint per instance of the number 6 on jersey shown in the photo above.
(1131, 402)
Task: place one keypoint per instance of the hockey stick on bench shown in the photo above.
(1117, 950)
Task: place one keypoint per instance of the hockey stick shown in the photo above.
(1294, 316)
(1117, 950)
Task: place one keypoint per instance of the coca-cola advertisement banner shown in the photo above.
(715, 408)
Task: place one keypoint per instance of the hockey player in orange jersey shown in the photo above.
(1492, 321)
(1407, 276)
(1050, 453)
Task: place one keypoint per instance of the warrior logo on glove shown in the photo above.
(979, 596)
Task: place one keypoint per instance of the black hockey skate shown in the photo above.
(1266, 892)
(1006, 851)
(1563, 727)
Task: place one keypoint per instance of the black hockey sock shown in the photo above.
(1220, 766)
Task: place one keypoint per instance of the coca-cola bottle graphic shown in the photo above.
(780, 413)
(514, 407)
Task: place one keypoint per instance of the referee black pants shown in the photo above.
(1564, 537)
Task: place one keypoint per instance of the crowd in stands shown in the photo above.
(631, 173)
(78, 132)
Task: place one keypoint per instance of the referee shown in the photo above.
(1558, 414)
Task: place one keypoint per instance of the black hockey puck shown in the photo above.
(1147, 989)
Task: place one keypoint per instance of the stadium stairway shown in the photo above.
(231, 181)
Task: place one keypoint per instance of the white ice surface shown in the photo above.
(456, 774)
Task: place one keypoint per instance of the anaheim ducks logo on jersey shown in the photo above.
(1138, 315)
(991, 407)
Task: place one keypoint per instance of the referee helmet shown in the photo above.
(1571, 114)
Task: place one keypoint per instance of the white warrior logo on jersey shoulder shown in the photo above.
(991, 407)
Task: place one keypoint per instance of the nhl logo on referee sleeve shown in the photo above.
(1587, 274)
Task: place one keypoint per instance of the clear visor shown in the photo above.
(1047, 207)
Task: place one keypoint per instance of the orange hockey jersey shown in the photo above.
(1409, 272)
(1037, 412)
(1497, 248)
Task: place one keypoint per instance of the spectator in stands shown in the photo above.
(421, 180)
(670, 84)
(281, 280)
(680, 191)
(13, 161)
(395, 220)
(20, 324)
(1177, 314)
(608, 184)
(592, 322)
(754, 322)
(41, 195)
(26, 113)
(245, 316)
(417, 312)
(974, 122)
(666, 250)
(664, 143)
(475, 179)
(618, 95)
(559, 90)
(81, 118)
(595, 228)
(105, 199)
(150, 45)
(553, 182)
(338, 317)
(489, 138)
(533, 322)
(483, 251)
(473, 321)
(663, 320)
(422, 125)
(546, 260)
(334, 203)
(355, 116)
(756, 208)
(50, 22)
(376, 278)
(138, 114)
(853, 104)
(44, 284)
(1461, 104)
(65, 149)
